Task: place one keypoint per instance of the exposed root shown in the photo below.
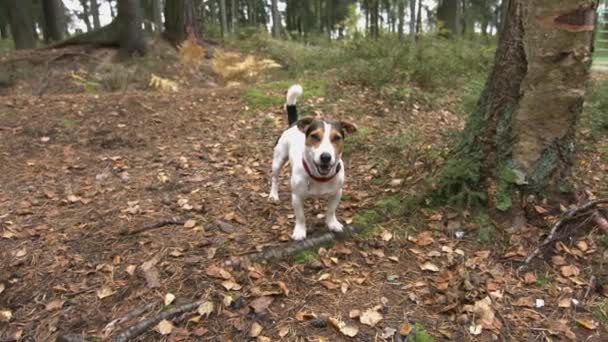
(584, 210)
(129, 316)
(297, 246)
(143, 326)
(171, 221)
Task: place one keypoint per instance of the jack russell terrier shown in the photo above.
(314, 149)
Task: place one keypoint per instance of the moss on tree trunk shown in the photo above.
(520, 140)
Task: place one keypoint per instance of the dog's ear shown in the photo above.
(348, 127)
(304, 123)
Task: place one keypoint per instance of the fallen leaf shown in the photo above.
(524, 301)
(475, 329)
(354, 313)
(350, 331)
(540, 210)
(565, 302)
(329, 284)
(230, 285)
(151, 272)
(424, 239)
(370, 317)
(569, 271)
(256, 329)
(54, 305)
(189, 224)
(387, 236)
(304, 316)
(5, 315)
(529, 278)
(283, 288)
(261, 304)
(21, 252)
(2, 287)
(131, 269)
(558, 260)
(283, 332)
(388, 333)
(205, 309)
(169, 298)
(582, 245)
(218, 272)
(405, 329)
(104, 292)
(482, 309)
(198, 332)
(428, 266)
(587, 323)
(164, 327)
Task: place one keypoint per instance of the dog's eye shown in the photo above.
(315, 137)
(337, 138)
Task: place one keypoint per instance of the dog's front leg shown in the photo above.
(299, 232)
(332, 204)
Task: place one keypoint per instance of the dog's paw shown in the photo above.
(335, 226)
(299, 233)
(273, 197)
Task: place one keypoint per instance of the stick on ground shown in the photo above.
(568, 215)
(171, 221)
(143, 326)
(298, 246)
(129, 316)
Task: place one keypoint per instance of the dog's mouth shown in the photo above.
(324, 169)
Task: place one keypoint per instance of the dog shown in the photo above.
(314, 149)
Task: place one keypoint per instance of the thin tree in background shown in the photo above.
(234, 4)
(4, 21)
(157, 15)
(223, 18)
(520, 140)
(21, 23)
(180, 19)
(413, 21)
(276, 19)
(54, 20)
(95, 14)
(85, 14)
(401, 18)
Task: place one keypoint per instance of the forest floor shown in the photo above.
(82, 169)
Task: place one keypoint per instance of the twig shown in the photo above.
(589, 287)
(142, 326)
(298, 246)
(129, 316)
(570, 214)
(171, 221)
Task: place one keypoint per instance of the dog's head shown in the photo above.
(324, 142)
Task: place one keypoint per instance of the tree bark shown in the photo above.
(520, 139)
(156, 14)
(401, 17)
(419, 18)
(413, 21)
(54, 20)
(180, 18)
(20, 17)
(95, 14)
(85, 14)
(234, 17)
(276, 20)
(223, 18)
(449, 14)
(124, 31)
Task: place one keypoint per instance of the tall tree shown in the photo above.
(95, 14)
(157, 15)
(4, 21)
(413, 21)
(54, 20)
(449, 14)
(401, 17)
(20, 17)
(520, 140)
(276, 19)
(223, 17)
(180, 18)
(234, 10)
(85, 15)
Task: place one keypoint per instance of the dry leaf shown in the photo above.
(524, 301)
(370, 317)
(256, 329)
(387, 236)
(205, 309)
(304, 316)
(230, 285)
(261, 304)
(587, 323)
(428, 266)
(424, 239)
(151, 272)
(484, 311)
(190, 224)
(283, 288)
(475, 329)
(569, 271)
(529, 278)
(104, 292)
(283, 332)
(565, 302)
(2, 287)
(131, 269)
(5, 315)
(405, 329)
(350, 331)
(329, 284)
(218, 272)
(169, 298)
(540, 210)
(54, 305)
(164, 327)
(582, 245)
(198, 332)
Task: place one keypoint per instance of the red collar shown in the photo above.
(321, 179)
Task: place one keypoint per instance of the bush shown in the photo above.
(595, 116)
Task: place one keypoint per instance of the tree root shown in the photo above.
(567, 216)
(297, 246)
(142, 326)
(129, 316)
(108, 35)
(171, 221)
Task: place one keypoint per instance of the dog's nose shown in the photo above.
(325, 158)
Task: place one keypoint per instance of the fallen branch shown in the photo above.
(567, 216)
(172, 221)
(297, 246)
(142, 326)
(129, 316)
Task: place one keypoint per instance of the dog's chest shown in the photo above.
(317, 189)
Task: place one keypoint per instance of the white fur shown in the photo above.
(291, 146)
(293, 93)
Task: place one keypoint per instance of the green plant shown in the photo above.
(485, 228)
(421, 334)
(600, 311)
(595, 115)
(258, 99)
(543, 280)
(305, 257)
(367, 217)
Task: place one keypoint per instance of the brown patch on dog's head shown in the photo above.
(338, 132)
(314, 133)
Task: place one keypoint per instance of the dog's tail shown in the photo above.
(290, 103)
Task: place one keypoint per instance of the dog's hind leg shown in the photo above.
(278, 160)
(332, 204)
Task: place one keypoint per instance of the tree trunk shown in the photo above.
(401, 17)
(85, 14)
(180, 18)
(449, 15)
(223, 18)
(124, 31)
(419, 18)
(276, 20)
(54, 20)
(112, 14)
(520, 140)
(95, 14)
(235, 19)
(20, 17)
(157, 16)
(413, 21)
